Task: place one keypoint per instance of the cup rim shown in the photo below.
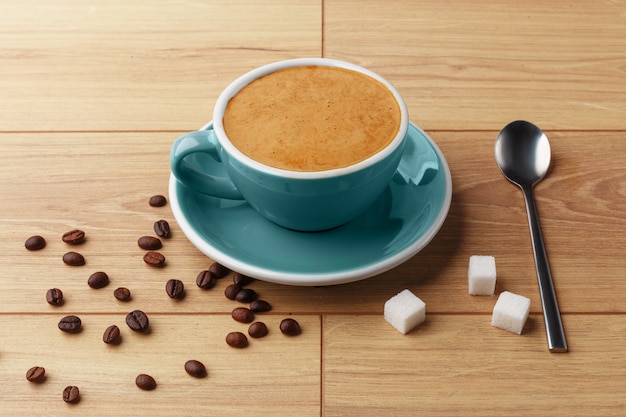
(234, 87)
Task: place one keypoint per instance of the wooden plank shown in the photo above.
(460, 365)
(275, 375)
(479, 65)
(150, 66)
(101, 182)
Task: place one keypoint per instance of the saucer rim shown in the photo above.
(327, 278)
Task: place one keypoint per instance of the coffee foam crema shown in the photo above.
(312, 118)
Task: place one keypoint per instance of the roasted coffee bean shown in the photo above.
(70, 324)
(257, 329)
(149, 243)
(137, 321)
(243, 315)
(205, 280)
(35, 243)
(231, 291)
(98, 280)
(241, 279)
(71, 394)
(54, 296)
(74, 259)
(145, 382)
(195, 368)
(36, 374)
(290, 327)
(218, 270)
(162, 228)
(112, 335)
(175, 288)
(74, 237)
(260, 306)
(246, 295)
(154, 259)
(237, 340)
(122, 294)
(157, 201)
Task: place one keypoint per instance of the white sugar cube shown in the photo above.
(510, 312)
(404, 311)
(481, 275)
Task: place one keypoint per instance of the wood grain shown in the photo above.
(479, 65)
(239, 381)
(460, 365)
(151, 66)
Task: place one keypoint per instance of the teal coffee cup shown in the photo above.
(306, 142)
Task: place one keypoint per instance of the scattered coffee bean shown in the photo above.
(195, 368)
(149, 243)
(175, 288)
(260, 306)
(74, 259)
(54, 296)
(246, 295)
(290, 327)
(257, 329)
(205, 280)
(71, 394)
(122, 294)
(98, 280)
(137, 321)
(145, 382)
(36, 374)
(35, 243)
(162, 228)
(241, 279)
(154, 259)
(218, 270)
(243, 315)
(231, 291)
(237, 340)
(157, 201)
(70, 324)
(74, 237)
(112, 335)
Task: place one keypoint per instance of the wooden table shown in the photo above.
(92, 95)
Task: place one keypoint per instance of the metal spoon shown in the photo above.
(523, 154)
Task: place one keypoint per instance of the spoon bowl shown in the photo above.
(523, 155)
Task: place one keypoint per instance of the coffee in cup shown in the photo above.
(312, 118)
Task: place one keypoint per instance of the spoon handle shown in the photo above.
(551, 315)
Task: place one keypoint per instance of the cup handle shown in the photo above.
(203, 180)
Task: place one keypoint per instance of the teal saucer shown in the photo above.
(397, 226)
